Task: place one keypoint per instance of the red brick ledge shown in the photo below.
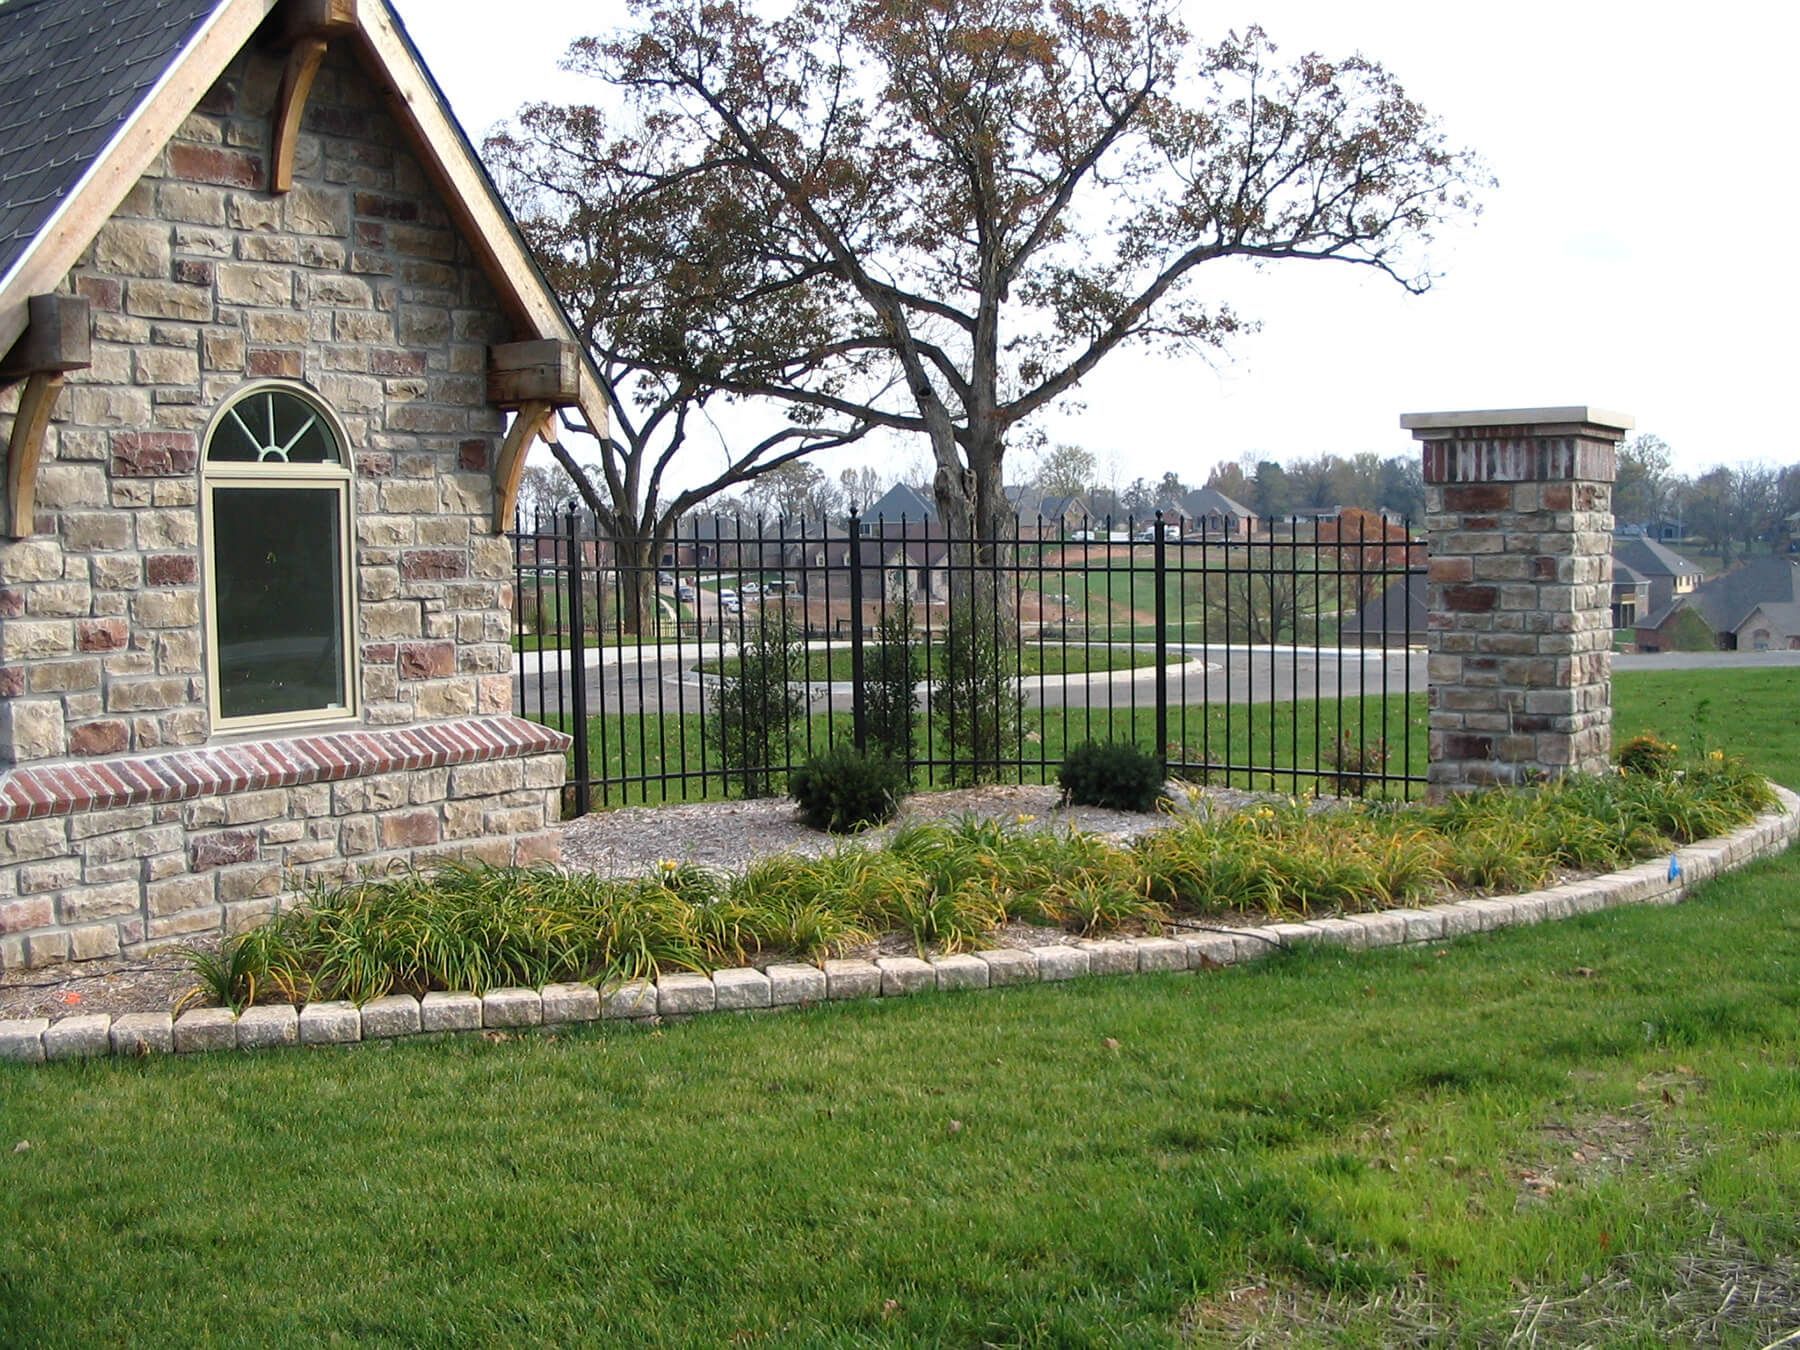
(36, 791)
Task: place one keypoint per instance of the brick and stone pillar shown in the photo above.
(1518, 508)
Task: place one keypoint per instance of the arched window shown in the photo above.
(276, 487)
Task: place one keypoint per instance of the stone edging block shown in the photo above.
(35, 1040)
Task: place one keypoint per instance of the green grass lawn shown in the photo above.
(1283, 747)
(1590, 1130)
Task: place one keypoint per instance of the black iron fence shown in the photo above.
(1286, 657)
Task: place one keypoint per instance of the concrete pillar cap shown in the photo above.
(1518, 417)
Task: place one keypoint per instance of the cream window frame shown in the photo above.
(272, 475)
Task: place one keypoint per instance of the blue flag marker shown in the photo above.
(1674, 868)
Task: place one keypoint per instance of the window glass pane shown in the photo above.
(277, 560)
(273, 426)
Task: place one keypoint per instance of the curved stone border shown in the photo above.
(683, 994)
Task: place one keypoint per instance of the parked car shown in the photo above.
(684, 592)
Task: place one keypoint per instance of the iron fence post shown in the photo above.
(578, 665)
(859, 719)
(1159, 565)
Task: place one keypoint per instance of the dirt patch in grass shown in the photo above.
(1720, 1293)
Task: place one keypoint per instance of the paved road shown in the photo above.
(663, 683)
(1704, 660)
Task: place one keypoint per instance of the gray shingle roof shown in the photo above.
(1650, 559)
(71, 73)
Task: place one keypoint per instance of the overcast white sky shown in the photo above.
(1634, 256)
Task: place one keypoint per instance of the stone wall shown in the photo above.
(353, 283)
(123, 821)
(1518, 508)
(114, 855)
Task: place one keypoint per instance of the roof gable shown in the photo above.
(71, 73)
(901, 502)
(81, 140)
(1649, 558)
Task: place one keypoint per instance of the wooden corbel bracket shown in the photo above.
(531, 421)
(57, 339)
(307, 27)
(534, 379)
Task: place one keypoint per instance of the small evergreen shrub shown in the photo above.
(1112, 774)
(845, 789)
(1648, 756)
(1356, 762)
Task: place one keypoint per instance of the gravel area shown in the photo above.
(632, 840)
(628, 842)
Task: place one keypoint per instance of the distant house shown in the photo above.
(1213, 515)
(1662, 531)
(1396, 617)
(910, 562)
(1047, 514)
(900, 504)
(1753, 607)
(1630, 596)
(1667, 574)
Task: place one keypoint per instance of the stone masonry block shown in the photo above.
(336, 1022)
(1207, 950)
(441, 1011)
(905, 975)
(267, 1027)
(205, 1029)
(1156, 953)
(852, 979)
(790, 984)
(512, 1008)
(22, 1039)
(632, 998)
(1111, 958)
(1384, 929)
(143, 1034)
(1060, 963)
(79, 1037)
(961, 972)
(394, 1015)
(1009, 965)
(682, 993)
(740, 989)
(570, 1003)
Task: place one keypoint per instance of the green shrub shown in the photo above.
(891, 673)
(1112, 774)
(846, 789)
(1649, 756)
(975, 702)
(1356, 762)
(753, 710)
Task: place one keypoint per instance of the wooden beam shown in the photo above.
(302, 19)
(531, 421)
(58, 338)
(541, 371)
(26, 448)
(303, 61)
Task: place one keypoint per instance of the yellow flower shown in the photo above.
(670, 865)
(1716, 756)
(1023, 818)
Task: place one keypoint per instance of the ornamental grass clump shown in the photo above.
(952, 885)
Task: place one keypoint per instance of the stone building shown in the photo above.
(263, 320)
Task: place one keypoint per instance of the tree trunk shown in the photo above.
(975, 699)
(634, 569)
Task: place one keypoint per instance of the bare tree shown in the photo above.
(1008, 190)
(667, 274)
